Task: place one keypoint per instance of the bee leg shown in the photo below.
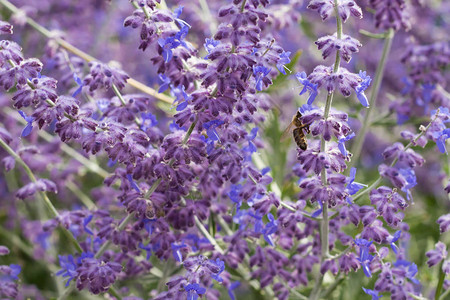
(305, 127)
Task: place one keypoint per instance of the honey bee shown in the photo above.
(299, 131)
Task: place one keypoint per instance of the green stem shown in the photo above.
(324, 224)
(74, 50)
(81, 195)
(124, 103)
(423, 130)
(440, 282)
(357, 145)
(243, 5)
(44, 196)
(208, 16)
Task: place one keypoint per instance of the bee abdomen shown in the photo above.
(300, 139)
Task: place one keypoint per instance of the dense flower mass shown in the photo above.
(153, 165)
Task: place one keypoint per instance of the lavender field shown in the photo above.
(224, 149)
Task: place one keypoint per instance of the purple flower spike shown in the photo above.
(193, 290)
(29, 127)
(307, 86)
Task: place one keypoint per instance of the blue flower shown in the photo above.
(372, 293)
(363, 85)
(211, 129)
(410, 272)
(86, 221)
(270, 229)
(209, 45)
(167, 45)
(149, 225)
(181, 35)
(221, 265)
(133, 183)
(196, 241)
(232, 287)
(15, 271)
(341, 143)
(79, 83)
(251, 147)
(408, 86)
(260, 73)
(148, 249)
(180, 94)
(165, 83)
(283, 60)
(29, 127)
(352, 186)
(317, 212)
(307, 87)
(148, 121)
(401, 118)
(68, 267)
(176, 251)
(364, 257)
(111, 163)
(395, 238)
(441, 138)
(176, 14)
(411, 180)
(427, 93)
(103, 104)
(194, 289)
(234, 195)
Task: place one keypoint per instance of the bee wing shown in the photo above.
(287, 133)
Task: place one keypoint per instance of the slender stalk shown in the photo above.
(44, 196)
(81, 195)
(243, 5)
(208, 16)
(324, 224)
(210, 238)
(444, 295)
(357, 145)
(440, 282)
(423, 130)
(74, 50)
(124, 103)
